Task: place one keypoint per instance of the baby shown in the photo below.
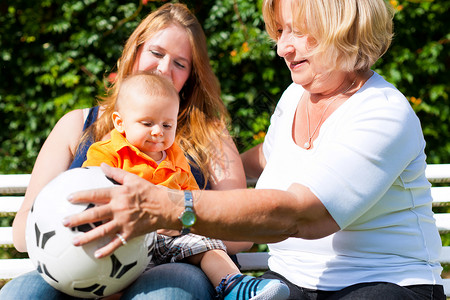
(143, 143)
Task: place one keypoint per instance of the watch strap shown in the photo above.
(188, 207)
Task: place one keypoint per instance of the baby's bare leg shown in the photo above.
(215, 263)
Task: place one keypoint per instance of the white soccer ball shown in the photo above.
(74, 270)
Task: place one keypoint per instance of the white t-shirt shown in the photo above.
(368, 169)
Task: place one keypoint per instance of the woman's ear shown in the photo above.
(118, 122)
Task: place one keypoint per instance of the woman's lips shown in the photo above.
(296, 64)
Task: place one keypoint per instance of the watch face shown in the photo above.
(188, 218)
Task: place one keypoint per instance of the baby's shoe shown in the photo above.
(243, 287)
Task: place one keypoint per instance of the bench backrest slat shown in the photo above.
(438, 173)
(14, 183)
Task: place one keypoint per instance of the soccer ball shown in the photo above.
(74, 270)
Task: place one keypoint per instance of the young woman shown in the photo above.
(169, 42)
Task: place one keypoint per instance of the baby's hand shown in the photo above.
(168, 232)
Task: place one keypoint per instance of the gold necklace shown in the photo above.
(308, 144)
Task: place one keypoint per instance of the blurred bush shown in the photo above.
(56, 55)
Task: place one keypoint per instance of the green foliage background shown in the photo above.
(55, 56)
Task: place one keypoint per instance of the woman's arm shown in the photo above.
(227, 169)
(54, 157)
(263, 216)
(254, 161)
(260, 216)
(229, 174)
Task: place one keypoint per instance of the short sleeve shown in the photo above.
(98, 154)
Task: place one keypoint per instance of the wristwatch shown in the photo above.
(188, 216)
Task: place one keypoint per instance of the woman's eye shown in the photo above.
(180, 65)
(297, 33)
(279, 32)
(156, 53)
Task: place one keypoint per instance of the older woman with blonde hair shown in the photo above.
(342, 197)
(169, 42)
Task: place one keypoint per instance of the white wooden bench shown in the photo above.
(12, 188)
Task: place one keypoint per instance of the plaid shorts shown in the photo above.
(175, 248)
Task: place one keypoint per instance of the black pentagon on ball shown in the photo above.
(83, 227)
(112, 180)
(45, 237)
(41, 268)
(96, 289)
(89, 226)
(118, 269)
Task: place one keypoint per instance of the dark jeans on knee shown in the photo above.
(364, 291)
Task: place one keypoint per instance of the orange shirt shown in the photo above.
(173, 172)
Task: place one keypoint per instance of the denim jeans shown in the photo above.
(167, 281)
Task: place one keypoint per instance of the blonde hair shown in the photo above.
(349, 35)
(203, 116)
(146, 83)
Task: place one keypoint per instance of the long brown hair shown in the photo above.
(203, 116)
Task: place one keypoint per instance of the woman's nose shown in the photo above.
(284, 44)
(164, 66)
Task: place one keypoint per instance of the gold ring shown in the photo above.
(124, 242)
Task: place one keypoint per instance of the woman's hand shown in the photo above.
(134, 208)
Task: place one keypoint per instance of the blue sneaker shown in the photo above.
(243, 287)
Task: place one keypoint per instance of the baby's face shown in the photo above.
(150, 122)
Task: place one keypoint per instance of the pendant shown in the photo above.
(307, 145)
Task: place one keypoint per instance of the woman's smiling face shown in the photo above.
(168, 53)
(293, 46)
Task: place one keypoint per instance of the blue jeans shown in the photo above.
(167, 281)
